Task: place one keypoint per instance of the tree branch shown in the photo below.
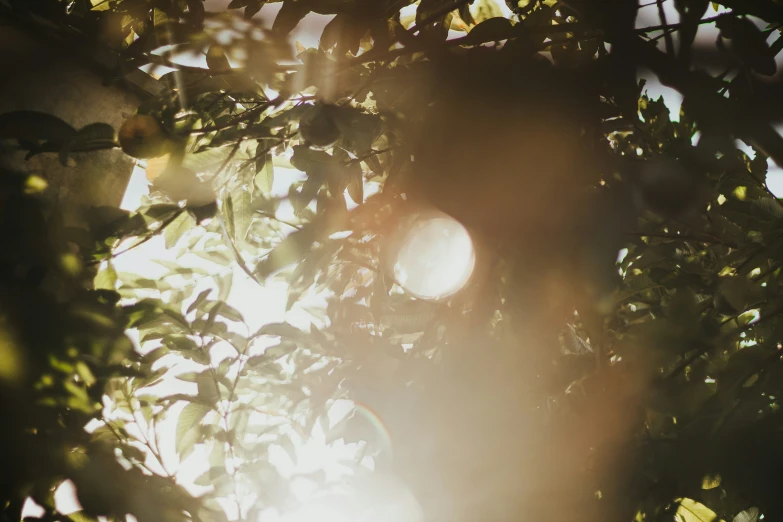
(666, 34)
(695, 86)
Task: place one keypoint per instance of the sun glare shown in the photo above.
(435, 258)
(322, 475)
(375, 497)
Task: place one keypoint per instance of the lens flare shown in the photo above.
(374, 497)
(435, 258)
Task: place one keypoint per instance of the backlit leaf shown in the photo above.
(691, 511)
(189, 419)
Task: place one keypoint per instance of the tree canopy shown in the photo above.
(614, 355)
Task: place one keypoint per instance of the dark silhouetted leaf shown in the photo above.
(32, 126)
(355, 183)
(749, 43)
(289, 16)
(96, 136)
(200, 298)
(491, 30)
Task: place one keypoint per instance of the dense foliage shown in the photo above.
(563, 383)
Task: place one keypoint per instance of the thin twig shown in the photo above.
(663, 34)
(271, 215)
(685, 237)
(144, 436)
(666, 34)
(225, 163)
(237, 255)
(157, 59)
(370, 155)
(663, 27)
(240, 118)
(225, 415)
(154, 233)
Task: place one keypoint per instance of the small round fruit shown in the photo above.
(217, 61)
(317, 129)
(202, 213)
(667, 188)
(141, 136)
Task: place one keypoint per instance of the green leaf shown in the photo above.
(216, 59)
(281, 350)
(741, 367)
(151, 357)
(464, 13)
(749, 43)
(265, 174)
(289, 251)
(308, 160)
(217, 457)
(288, 445)
(205, 479)
(219, 257)
(438, 27)
(309, 191)
(206, 161)
(692, 511)
(355, 183)
(178, 228)
(344, 30)
(739, 292)
(224, 284)
(487, 9)
(242, 212)
(283, 330)
(271, 354)
(200, 298)
(253, 8)
(189, 376)
(207, 388)
(289, 16)
(491, 30)
(536, 21)
(212, 513)
(196, 9)
(231, 313)
(770, 206)
(33, 126)
(359, 129)
(190, 417)
(163, 211)
(142, 312)
(223, 485)
(211, 475)
(81, 516)
(213, 312)
(95, 136)
(180, 343)
(106, 278)
(749, 515)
